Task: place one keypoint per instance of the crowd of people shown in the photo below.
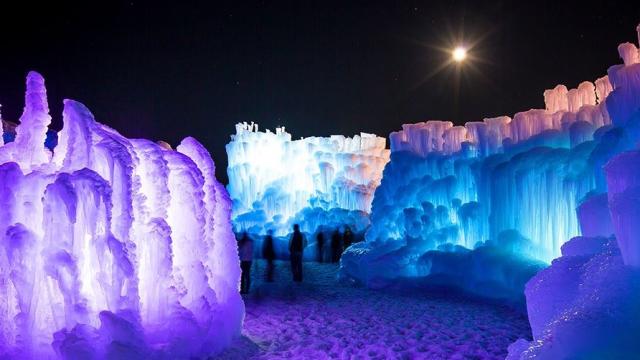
(330, 251)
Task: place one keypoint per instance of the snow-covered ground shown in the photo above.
(323, 319)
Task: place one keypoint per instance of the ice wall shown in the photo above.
(111, 247)
(467, 184)
(521, 177)
(585, 305)
(275, 181)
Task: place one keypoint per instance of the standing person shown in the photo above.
(296, 248)
(269, 254)
(245, 250)
(336, 246)
(348, 237)
(320, 245)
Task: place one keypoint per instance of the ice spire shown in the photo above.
(75, 140)
(629, 53)
(32, 130)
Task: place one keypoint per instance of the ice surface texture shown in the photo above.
(275, 181)
(584, 306)
(111, 247)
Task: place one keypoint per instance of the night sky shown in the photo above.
(164, 72)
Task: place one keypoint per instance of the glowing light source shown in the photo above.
(459, 54)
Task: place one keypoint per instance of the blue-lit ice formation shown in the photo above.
(506, 187)
(275, 181)
(585, 305)
(111, 247)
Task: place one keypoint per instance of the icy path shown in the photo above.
(321, 319)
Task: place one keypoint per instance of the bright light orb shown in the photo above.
(459, 54)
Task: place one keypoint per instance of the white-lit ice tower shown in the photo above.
(275, 181)
(111, 247)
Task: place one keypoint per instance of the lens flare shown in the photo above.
(459, 54)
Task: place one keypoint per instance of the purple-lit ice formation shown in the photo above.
(275, 181)
(111, 247)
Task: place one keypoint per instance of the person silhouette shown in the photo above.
(269, 254)
(296, 249)
(320, 245)
(336, 246)
(245, 251)
(348, 237)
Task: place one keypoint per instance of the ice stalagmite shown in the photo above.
(33, 125)
(111, 247)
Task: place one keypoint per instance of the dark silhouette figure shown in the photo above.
(269, 254)
(296, 249)
(245, 251)
(336, 246)
(320, 245)
(348, 237)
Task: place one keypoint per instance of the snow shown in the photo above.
(275, 181)
(111, 247)
(322, 318)
(493, 270)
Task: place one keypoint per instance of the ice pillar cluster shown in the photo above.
(275, 181)
(111, 247)
(514, 183)
(466, 184)
(585, 305)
